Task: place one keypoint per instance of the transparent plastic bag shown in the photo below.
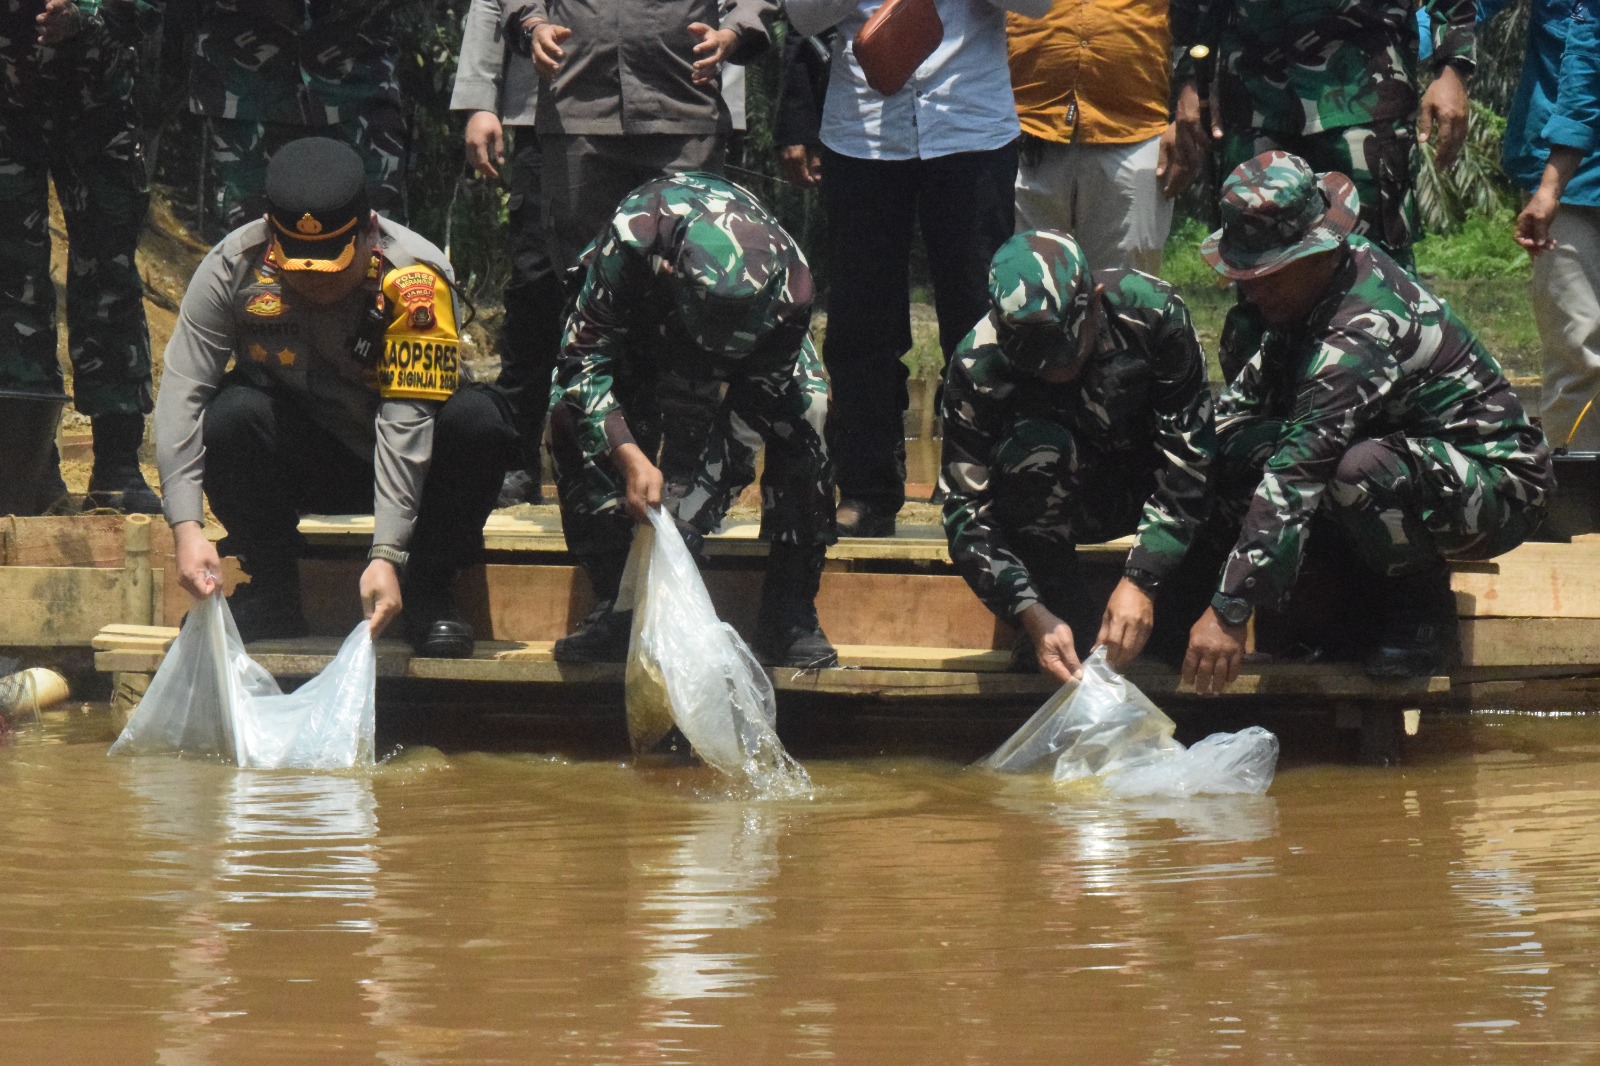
(686, 667)
(209, 698)
(1104, 729)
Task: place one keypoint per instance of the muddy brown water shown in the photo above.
(535, 908)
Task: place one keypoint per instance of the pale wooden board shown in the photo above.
(1536, 580)
(57, 606)
(541, 532)
(1530, 642)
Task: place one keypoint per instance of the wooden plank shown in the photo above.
(57, 606)
(1489, 642)
(909, 610)
(540, 531)
(1536, 580)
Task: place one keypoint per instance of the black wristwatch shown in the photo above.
(520, 35)
(1144, 579)
(1232, 609)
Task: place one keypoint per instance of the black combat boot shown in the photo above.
(603, 635)
(268, 607)
(433, 625)
(1418, 634)
(787, 630)
(116, 482)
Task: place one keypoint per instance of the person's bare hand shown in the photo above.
(58, 22)
(800, 164)
(547, 51)
(1183, 144)
(380, 595)
(199, 567)
(1443, 118)
(486, 143)
(713, 49)
(641, 479)
(1052, 643)
(1533, 223)
(1130, 613)
(1215, 651)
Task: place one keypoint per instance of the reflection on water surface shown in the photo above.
(518, 908)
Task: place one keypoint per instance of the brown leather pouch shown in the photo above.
(895, 41)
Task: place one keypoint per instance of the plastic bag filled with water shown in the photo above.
(210, 699)
(1103, 729)
(686, 667)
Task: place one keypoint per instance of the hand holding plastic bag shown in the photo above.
(1103, 728)
(209, 698)
(688, 667)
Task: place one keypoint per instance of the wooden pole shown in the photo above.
(138, 607)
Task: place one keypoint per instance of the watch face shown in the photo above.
(1234, 612)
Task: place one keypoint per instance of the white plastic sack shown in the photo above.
(688, 667)
(209, 698)
(1104, 729)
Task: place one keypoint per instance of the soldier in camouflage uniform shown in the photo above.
(695, 312)
(1077, 411)
(66, 114)
(267, 72)
(1370, 405)
(1334, 82)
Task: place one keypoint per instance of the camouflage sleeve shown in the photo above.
(977, 545)
(129, 21)
(1453, 25)
(1187, 438)
(1339, 394)
(595, 337)
(1186, 20)
(1242, 398)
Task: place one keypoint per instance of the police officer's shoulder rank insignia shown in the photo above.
(421, 348)
(265, 305)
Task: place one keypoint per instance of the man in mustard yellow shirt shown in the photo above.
(1101, 158)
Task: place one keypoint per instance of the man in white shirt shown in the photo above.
(940, 155)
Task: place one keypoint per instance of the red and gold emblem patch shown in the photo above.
(265, 305)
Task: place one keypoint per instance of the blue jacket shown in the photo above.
(1558, 96)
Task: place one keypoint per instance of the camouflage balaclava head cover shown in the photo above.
(1276, 209)
(730, 276)
(1039, 292)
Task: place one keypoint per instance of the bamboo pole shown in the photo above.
(138, 607)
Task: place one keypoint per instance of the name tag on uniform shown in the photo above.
(421, 357)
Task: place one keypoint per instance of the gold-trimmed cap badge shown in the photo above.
(316, 204)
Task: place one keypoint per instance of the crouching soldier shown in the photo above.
(694, 317)
(1076, 411)
(1369, 406)
(343, 396)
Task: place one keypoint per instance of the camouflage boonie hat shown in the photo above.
(1275, 210)
(730, 272)
(1039, 291)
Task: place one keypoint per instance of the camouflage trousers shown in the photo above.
(1401, 503)
(1051, 494)
(238, 150)
(1377, 159)
(97, 164)
(703, 436)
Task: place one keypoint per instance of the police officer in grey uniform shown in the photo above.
(344, 394)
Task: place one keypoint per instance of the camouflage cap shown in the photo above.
(1275, 210)
(1039, 291)
(730, 271)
